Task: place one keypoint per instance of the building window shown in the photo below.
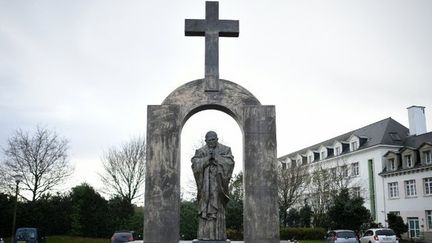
(356, 191)
(408, 160)
(393, 190)
(355, 169)
(410, 188)
(429, 219)
(337, 151)
(427, 182)
(344, 170)
(354, 145)
(427, 157)
(392, 164)
(323, 155)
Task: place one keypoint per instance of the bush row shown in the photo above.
(302, 233)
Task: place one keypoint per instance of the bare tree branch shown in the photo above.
(40, 158)
(327, 181)
(124, 169)
(292, 182)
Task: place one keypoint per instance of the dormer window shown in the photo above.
(392, 164)
(427, 157)
(354, 145)
(408, 160)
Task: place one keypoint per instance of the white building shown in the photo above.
(389, 165)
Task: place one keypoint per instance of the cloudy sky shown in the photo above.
(88, 68)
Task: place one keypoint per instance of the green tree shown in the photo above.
(120, 211)
(396, 223)
(293, 218)
(305, 215)
(49, 212)
(6, 211)
(89, 212)
(188, 220)
(136, 222)
(234, 211)
(347, 212)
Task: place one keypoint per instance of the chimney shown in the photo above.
(417, 120)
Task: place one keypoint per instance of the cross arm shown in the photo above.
(228, 28)
(195, 27)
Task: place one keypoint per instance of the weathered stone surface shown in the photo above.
(163, 160)
(162, 187)
(192, 98)
(212, 165)
(261, 217)
(164, 125)
(212, 28)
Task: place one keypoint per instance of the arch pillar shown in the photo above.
(260, 210)
(162, 185)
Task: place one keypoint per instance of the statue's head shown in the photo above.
(211, 139)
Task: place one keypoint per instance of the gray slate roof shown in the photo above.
(385, 132)
(416, 141)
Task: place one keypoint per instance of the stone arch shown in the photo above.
(164, 125)
(229, 100)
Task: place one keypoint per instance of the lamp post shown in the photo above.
(17, 178)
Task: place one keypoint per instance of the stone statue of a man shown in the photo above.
(212, 166)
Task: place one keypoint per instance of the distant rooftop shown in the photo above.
(384, 132)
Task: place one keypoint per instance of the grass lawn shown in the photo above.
(70, 239)
(311, 241)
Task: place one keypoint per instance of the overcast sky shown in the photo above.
(88, 69)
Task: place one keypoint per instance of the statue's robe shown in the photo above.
(212, 184)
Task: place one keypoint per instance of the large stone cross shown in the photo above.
(212, 27)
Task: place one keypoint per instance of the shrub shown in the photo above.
(396, 223)
(302, 233)
(234, 234)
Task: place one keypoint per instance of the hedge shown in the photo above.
(302, 233)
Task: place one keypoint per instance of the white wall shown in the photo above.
(409, 206)
(363, 156)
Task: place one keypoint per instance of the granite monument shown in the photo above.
(164, 126)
